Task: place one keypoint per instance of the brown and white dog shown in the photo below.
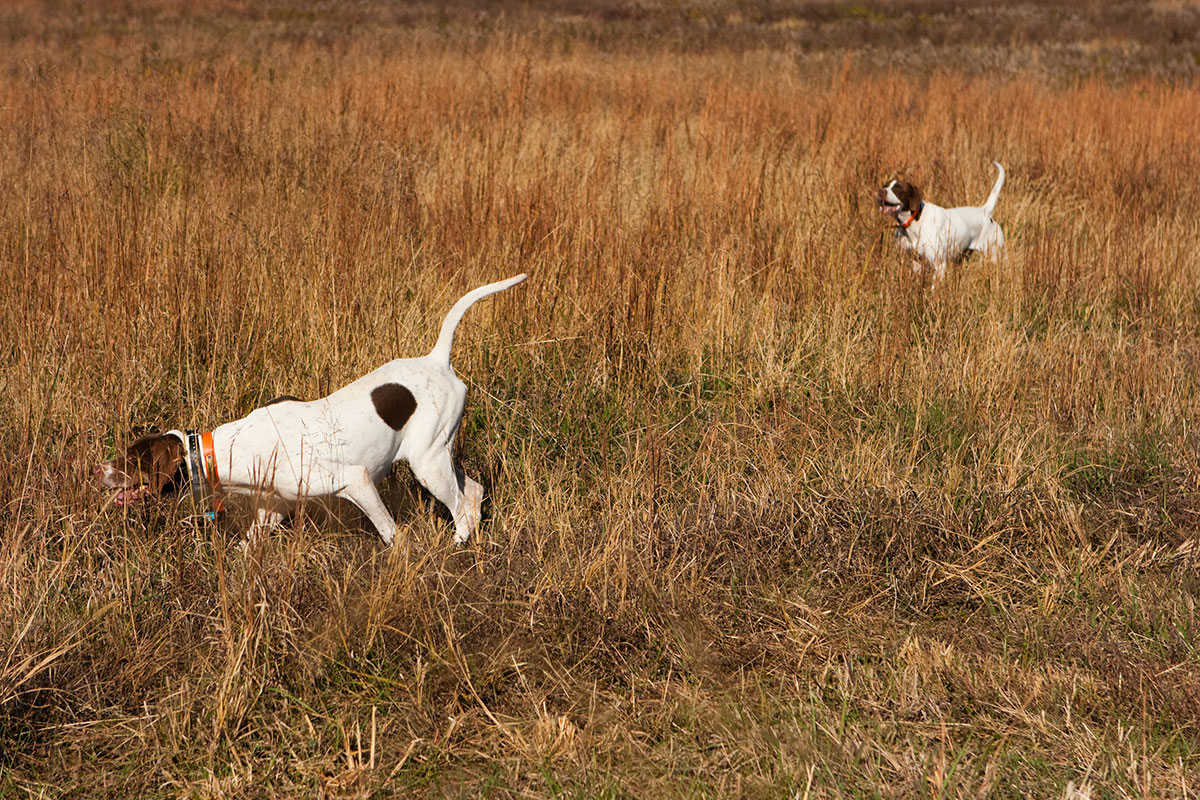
(935, 235)
(342, 445)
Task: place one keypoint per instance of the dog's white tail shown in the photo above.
(990, 205)
(441, 350)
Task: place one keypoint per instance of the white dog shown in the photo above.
(408, 409)
(936, 235)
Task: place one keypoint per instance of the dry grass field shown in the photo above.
(767, 516)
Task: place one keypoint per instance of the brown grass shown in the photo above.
(768, 518)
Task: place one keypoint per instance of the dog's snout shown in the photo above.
(104, 473)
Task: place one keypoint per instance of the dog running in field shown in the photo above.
(937, 236)
(342, 445)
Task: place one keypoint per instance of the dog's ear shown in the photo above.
(915, 200)
(155, 458)
(911, 196)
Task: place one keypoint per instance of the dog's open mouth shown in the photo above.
(131, 495)
(889, 208)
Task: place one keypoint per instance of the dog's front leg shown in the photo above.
(268, 515)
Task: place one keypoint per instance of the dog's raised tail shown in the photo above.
(990, 205)
(441, 350)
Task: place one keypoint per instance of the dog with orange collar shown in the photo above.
(342, 445)
(937, 236)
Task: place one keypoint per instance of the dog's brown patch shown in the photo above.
(283, 398)
(394, 404)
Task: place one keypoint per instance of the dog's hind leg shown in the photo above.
(990, 241)
(435, 470)
(361, 491)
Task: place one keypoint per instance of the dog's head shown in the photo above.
(145, 468)
(897, 196)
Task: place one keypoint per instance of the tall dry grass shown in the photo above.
(768, 517)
